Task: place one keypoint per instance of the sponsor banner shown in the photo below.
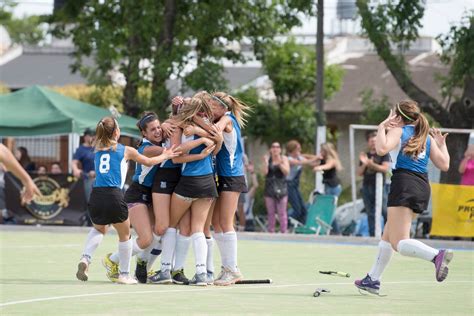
(62, 202)
(453, 210)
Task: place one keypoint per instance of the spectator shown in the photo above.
(329, 164)
(41, 170)
(56, 168)
(250, 197)
(85, 156)
(466, 167)
(275, 168)
(24, 159)
(297, 161)
(370, 164)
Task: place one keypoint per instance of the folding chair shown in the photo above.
(320, 216)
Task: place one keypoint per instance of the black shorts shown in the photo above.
(107, 206)
(138, 193)
(197, 187)
(166, 180)
(233, 184)
(410, 189)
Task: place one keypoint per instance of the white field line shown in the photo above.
(212, 289)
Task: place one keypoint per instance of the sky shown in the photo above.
(439, 15)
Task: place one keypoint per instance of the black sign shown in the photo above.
(62, 202)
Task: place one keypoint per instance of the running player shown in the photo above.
(410, 189)
(107, 205)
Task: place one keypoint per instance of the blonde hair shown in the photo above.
(331, 153)
(104, 133)
(291, 146)
(410, 113)
(188, 111)
(236, 106)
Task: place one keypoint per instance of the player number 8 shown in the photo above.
(104, 165)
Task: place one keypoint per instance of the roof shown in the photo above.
(370, 72)
(39, 68)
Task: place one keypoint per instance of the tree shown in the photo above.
(152, 42)
(398, 22)
(25, 30)
(292, 69)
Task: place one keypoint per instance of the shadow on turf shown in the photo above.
(42, 281)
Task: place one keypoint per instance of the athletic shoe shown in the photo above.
(140, 271)
(199, 279)
(82, 269)
(441, 261)
(219, 276)
(367, 284)
(125, 278)
(210, 277)
(229, 277)
(161, 277)
(179, 277)
(111, 267)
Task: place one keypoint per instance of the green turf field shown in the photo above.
(37, 276)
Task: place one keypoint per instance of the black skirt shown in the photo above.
(166, 180)
(409, 189)
(107, 206)
(138, 193)
(232, 184)
(197, 187)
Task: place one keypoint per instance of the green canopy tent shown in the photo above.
(38, 111)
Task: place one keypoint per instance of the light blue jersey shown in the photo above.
(407, 162)
(169, 162)
(110, 167)
(230, 160)
(144, 175)
(196, 168)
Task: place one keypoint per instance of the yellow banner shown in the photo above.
(453, 210)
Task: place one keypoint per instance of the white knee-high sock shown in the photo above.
(230, 249)
(417, 249)
(385, 253)
(135, 250)
(154, 253)
(125, 255)
(218, 237)
(200, 252)
(168, 242)
(145, 254)
(93, 240)
(210, 255)
(181, 251)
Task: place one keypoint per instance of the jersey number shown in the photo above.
(104, 165)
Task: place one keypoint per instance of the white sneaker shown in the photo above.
(219, 276)
(82, 269)
(229, 277)
(125, 278)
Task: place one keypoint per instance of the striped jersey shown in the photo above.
(110, 167)
(144, 175)
(230, 160)
(169, 162)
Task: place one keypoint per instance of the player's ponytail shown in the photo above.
(104, 133)
(236, 106)
(410, 113)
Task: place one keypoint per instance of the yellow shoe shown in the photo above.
(111, 267)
